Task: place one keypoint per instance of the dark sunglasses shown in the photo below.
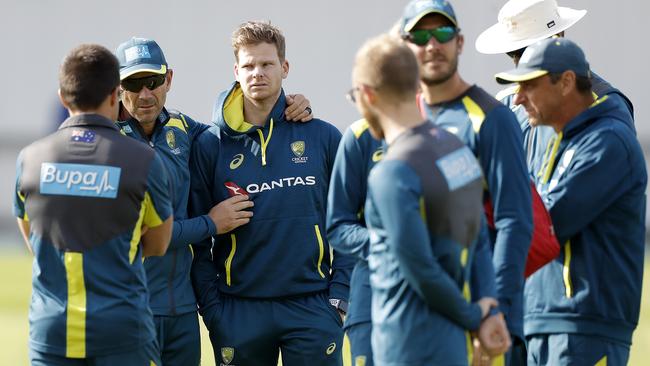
(516, 53)
(150, 82)
(421, 37)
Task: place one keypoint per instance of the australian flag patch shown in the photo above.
(86, 136)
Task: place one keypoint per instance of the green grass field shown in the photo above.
(15, 285)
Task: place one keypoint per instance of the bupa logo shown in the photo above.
(84, 180)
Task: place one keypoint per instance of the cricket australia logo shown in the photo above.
(227, 355)
(85, 180)
(171, 142)
(298, 149)
(171, 139)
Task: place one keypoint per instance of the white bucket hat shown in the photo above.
(524, 22)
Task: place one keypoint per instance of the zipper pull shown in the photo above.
(151, 143)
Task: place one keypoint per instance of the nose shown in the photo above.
(145, 93)
(433, 44)
(257, 72)
(520, 97)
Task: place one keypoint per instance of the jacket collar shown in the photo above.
(88, 119)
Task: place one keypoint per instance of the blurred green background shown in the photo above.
(15, 286)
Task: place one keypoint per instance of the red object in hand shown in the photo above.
(235, 190)
(544, 246)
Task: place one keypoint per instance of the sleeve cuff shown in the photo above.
(339, 291)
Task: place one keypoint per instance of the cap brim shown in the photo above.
(409, 26)
(135, 69)
(519, 75)
(497, 39)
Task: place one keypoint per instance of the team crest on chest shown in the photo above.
(298, 149)
(171, 142)
(227, 355)
(171, 139)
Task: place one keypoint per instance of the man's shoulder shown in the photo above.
(476, 97)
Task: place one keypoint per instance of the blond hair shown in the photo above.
(256, 32)
(386, 64)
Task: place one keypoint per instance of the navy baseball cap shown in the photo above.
(418, 9)
(549, 56)
(140, 55)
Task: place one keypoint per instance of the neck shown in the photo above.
(257, 111)
(104, 112)
(399, 118)
(148, 127)
(574, 105)
(445, 91)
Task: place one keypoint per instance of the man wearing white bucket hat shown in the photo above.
(520, 24)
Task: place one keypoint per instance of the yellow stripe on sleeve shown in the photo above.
(76, 310)
(475, 113)
(151, 217)
(137, 233)
(602, 362)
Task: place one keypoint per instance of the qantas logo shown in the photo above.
(234, 189)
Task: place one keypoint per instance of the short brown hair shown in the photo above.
(583, 83)
(256, 32)
(388, 65)
(88, 75)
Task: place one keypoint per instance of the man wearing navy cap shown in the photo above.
(593, 183)
(491, 131)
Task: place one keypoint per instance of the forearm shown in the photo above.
(482, 279)
(204, 274)
(350, 238)
(191, 231)
(342, 266)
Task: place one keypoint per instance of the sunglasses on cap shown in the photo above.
(421, 37)
(150, 82)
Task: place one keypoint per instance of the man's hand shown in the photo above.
(298, 109)
(230, 214)
(493, 335)
(486, 303)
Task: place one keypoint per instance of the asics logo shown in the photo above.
(79, 180)
(236, 161)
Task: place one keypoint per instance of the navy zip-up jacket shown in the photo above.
(285, 168)
(491, 131)
(536, 138)
(424, 214)
(595, 193)
(346, 226)
(168, 277)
